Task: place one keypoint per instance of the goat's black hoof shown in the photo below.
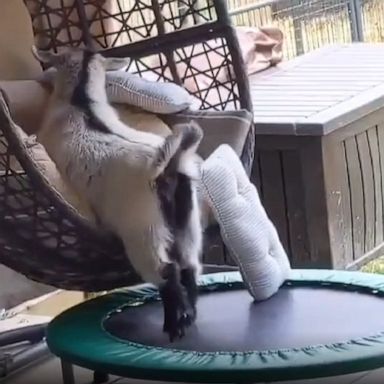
(179, 309)
(188, 318)
(177, 330)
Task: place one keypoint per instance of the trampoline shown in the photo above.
(321, 323)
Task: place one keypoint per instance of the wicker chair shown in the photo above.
(41, 236)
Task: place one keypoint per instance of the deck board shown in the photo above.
(337, 82)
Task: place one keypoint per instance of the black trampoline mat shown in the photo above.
(230, 321)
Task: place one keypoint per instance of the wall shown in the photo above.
(16, 39)
(15, 288)
(16, 62)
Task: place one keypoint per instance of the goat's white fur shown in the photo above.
(115, 172)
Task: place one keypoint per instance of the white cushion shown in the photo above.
(126, 88)
(156, 97)
(246, 229)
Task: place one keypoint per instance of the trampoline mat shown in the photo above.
(295, 317)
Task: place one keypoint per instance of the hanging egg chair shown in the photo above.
(191, 43)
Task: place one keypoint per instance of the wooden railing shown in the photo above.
(310, 24)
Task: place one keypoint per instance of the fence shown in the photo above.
(310, 24)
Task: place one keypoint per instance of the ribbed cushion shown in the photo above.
(126, 88)
(246, 229)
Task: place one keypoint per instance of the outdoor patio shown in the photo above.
(49, 372)
(318, 161)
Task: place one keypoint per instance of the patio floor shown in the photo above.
(49, 372)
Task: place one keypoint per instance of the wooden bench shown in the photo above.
(319, 160)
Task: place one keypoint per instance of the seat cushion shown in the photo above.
(219, 127)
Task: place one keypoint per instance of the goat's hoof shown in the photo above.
(188, 318)
(177, 330)
(174, 333)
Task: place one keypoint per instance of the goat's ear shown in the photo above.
(116, 63)
(45, 57)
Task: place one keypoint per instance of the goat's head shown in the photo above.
(79, 65)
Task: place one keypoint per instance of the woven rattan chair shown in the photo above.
(41, 236)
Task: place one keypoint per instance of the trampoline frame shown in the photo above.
(164, 364)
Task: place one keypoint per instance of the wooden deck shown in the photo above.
(319, 92)
(49, 373)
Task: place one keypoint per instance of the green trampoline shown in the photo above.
(321, 323)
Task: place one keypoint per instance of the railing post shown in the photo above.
(294, 9)
(356, 19)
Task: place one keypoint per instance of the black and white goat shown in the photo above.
(140, 185)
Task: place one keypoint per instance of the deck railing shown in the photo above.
(310, 24)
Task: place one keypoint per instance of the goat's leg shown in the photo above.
(188, 280)
(189, 243)
(175, 302)
(188, 238)
(159, 268)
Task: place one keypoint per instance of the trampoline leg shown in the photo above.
(100, 377)
(67, 372)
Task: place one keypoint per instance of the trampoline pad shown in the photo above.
(295, 317)
(321, 323)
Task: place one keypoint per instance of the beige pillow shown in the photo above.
(142, 121)
(219, 127)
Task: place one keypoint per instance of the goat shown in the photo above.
(141, 186)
